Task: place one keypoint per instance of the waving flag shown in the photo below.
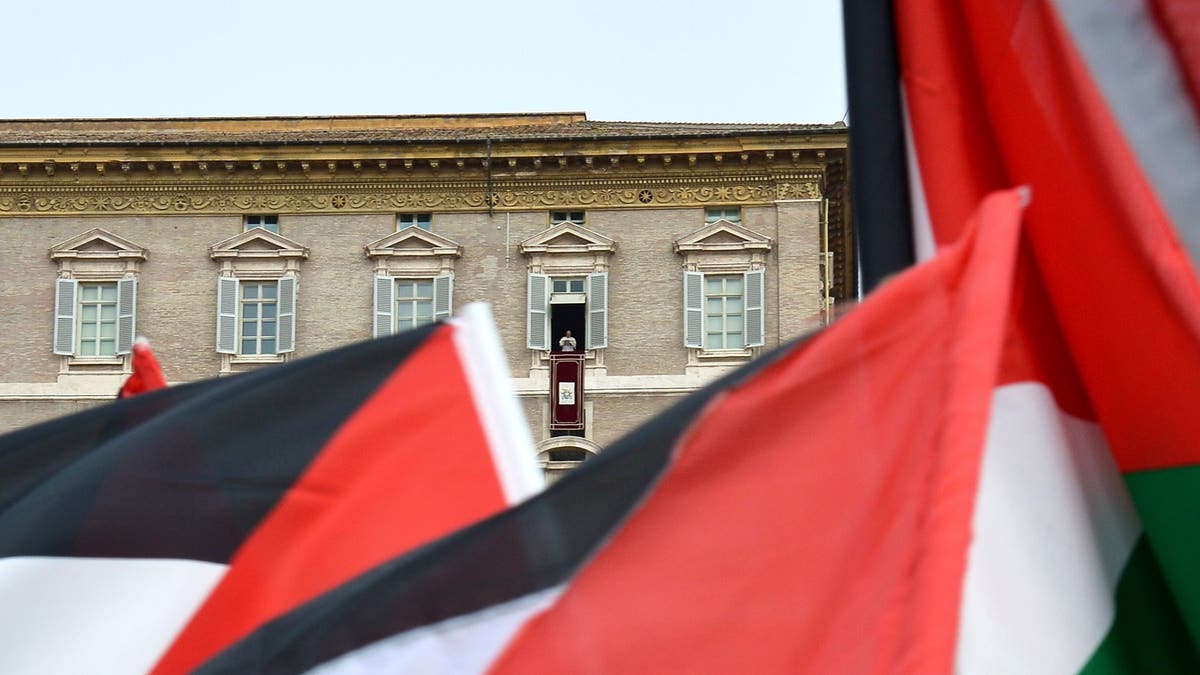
(147, 374)
(1092, 104)
(808, 513)
(153, 532)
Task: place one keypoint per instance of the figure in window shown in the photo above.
(566, 343)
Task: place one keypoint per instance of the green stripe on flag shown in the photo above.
(1168, 502)
(1147, 635)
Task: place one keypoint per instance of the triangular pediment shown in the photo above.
(567, 237)
(413, 241)
(723, 235)
(258, 242)
(98, 243)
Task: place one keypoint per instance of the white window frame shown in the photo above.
(731, 214)
(422, 220)
(574, 217)
(266, 221)
(723, 248)
(95, 257)
(386, 301)
(567, 250)
(411, 253)
(257, 255)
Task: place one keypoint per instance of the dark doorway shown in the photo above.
(568, 317)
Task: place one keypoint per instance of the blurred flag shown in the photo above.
(155, 531)
(809, 513)
(1092, 104)
(147, 374)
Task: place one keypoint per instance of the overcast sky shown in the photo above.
(644, 60)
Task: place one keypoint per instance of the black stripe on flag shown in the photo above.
(183, 472)
(532, 547)
(879, 174)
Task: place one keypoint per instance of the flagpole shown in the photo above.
(878, 172)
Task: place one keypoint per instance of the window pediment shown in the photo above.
(567, 237)
(257, 243)
(722, 235)
(414, 241)
(98, 244)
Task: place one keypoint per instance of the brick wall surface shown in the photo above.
(177, 306)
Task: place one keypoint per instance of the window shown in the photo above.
(95, 299)
(401, 304)
(421, 220)
(414, 303)
(256, 317)
(568, 285)
(94, 319)
(723, 311)
(259, 306)
(269, 223)
(732, 214)
(414, 278)
(723, 318)
(97, 320)
(723, 291)
(567, 288)
(561, 304)
(257, 289)
(575, 217)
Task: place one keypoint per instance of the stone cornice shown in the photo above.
(375, 195)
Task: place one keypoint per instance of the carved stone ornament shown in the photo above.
(368, 196)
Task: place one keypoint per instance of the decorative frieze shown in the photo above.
(368, 196)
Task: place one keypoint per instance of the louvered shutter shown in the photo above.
(126, 313)
(597, 310)
(64, 316)
(693, 309)
(443, 290)
(539, 315)
(755, 326)
(385, 305)
(287, 315)
(227, 299)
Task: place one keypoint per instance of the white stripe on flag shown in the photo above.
(96, 615)
(464, 644)
(1053, 527)
(1134, 70)
(924, 244)
(509, 439)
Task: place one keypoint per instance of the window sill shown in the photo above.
(97, 360)
(257, 358)
(724, 354)
(95, 364)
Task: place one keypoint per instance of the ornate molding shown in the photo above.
(379, 196)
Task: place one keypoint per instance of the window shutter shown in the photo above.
(755, 326)
(385, 305)
(539, 316)
(126, 313)
(597, 310)
(287, 315)
(443, 291)
(64, 316)
(227, 299)
(693, 309)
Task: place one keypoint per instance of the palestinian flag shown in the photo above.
(152, 533)
(809, 513)
(1086, 539)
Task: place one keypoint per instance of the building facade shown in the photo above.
(671, 252)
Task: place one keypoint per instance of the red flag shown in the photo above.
(147, 374)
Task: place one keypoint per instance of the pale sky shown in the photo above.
(645, 60)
